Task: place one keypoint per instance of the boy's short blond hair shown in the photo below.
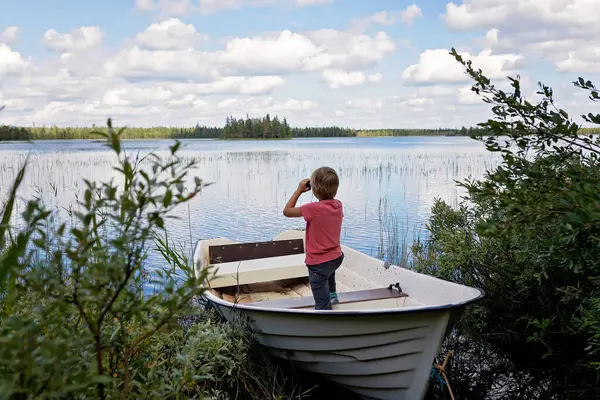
(324, 182)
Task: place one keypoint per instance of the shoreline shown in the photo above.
(412, 134)
(21, 141)
(225, 139)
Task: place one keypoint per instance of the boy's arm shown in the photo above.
(290, 209)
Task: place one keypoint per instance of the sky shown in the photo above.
(352, 63)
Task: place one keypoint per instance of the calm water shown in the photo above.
(253, 180)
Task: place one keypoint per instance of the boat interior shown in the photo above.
(272, 274)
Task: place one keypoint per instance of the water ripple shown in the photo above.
(254, 179)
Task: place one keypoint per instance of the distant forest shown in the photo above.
(266, 127)
(256, 128)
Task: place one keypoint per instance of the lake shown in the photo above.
(253, 180)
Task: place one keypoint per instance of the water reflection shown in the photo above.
(253, 180)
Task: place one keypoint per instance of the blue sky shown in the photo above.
(364, 64)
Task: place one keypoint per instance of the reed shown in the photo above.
(396, 239)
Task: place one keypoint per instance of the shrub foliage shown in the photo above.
(528, 234)
(76, 317)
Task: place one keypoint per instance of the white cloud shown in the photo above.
(188, 93)
(411, 13)
(135, 96)
(260, 105)
(65, 113)
(468, 97)
(10, 35)
(286, 51)
(11, 104)
(417, 102)
(177, 8)
(11, 62)
(311, 51)
(379, 18)
(491, 37)
(138, 109)
(337, 78)
(136, 62)
(385, 18)
(304, 3)
(348, 50)
(47, 84)
(165, 8)
(376, 77)
(564, 32)
(365, 104)
(294, 106)
(211, 6)
(426, 106)
(435, 91)
(170, 74)
(472, 14)
(247, 85)
(78, 39)
(170, 34)
(145, 5)
(579, 59)
(438, 66)
(464, 16)
(277, 53)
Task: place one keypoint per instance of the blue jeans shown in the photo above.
(322, 282)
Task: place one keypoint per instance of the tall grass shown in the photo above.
(394, 238)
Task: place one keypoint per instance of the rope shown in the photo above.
(439, 371)
(435, 374)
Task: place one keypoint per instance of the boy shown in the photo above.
(323, 231)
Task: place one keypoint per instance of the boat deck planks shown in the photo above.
(344, 297)
(263, 291)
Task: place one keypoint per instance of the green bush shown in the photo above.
(528, 234)
(75, 319)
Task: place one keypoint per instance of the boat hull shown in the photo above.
(378, 356)
(378, 353)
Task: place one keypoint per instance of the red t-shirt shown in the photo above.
(323, 230)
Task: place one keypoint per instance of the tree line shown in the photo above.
(464, 131)
(323, 131)
(256, 128)
(234, 128)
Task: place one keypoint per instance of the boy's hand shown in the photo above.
(303, 186)
(290, 209)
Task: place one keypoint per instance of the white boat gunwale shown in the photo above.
(378, 311)
(255, 307)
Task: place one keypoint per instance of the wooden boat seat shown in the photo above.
(226, 253)
(249, 263)
(344, 297)
(259, 270)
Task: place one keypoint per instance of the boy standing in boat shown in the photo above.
(323, 230)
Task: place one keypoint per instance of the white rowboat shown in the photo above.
(379, 342)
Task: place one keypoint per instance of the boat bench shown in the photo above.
(248, 263)
(344, 297)
(226, 253)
